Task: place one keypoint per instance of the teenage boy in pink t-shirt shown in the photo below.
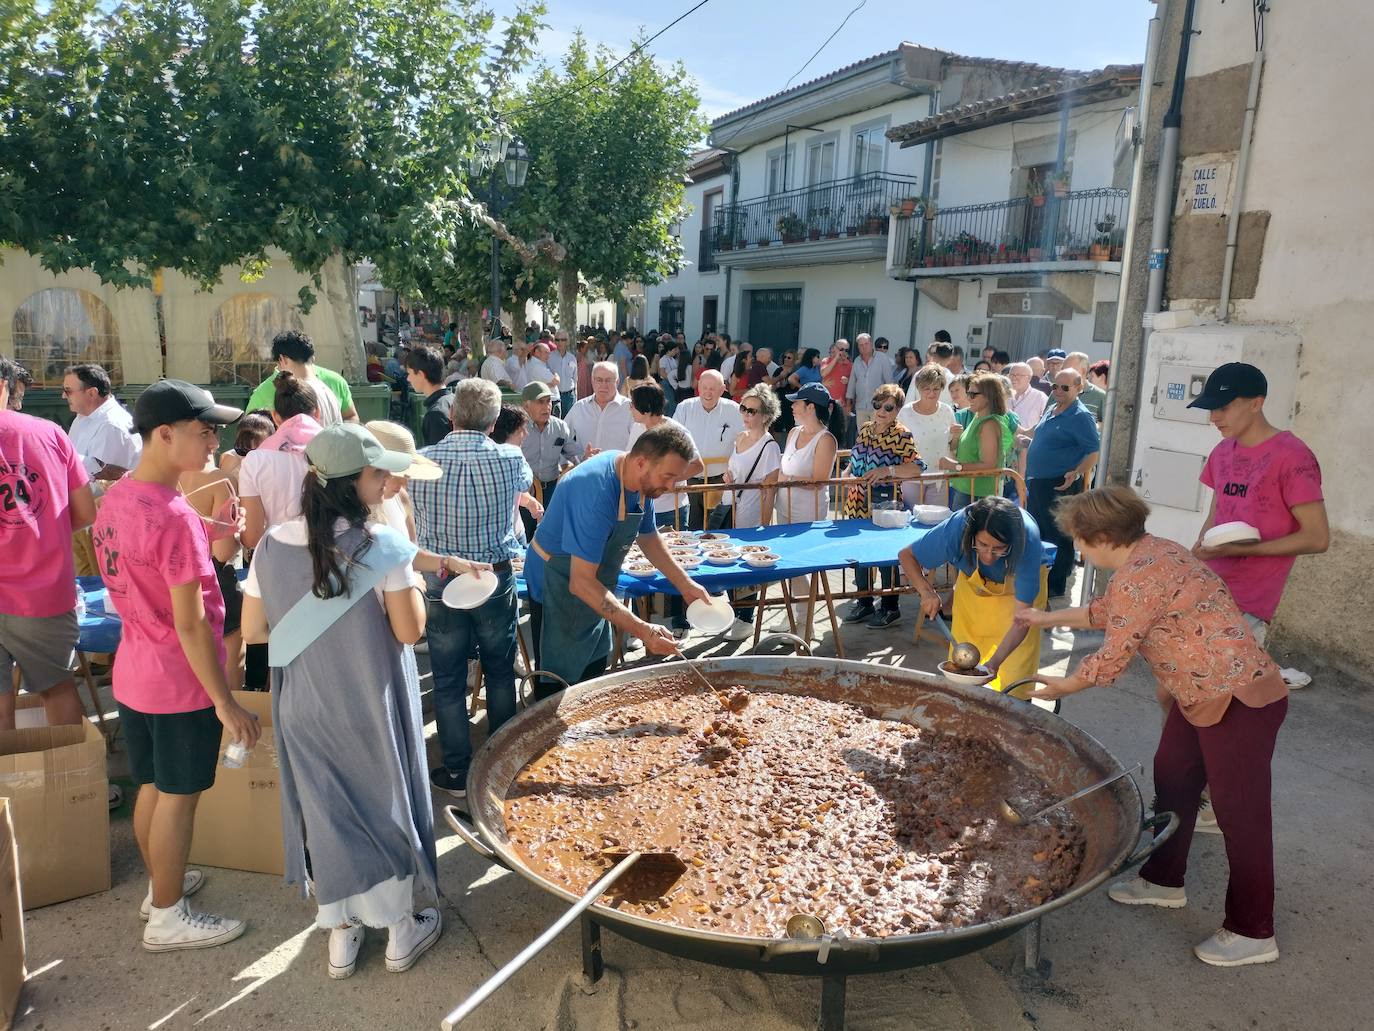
(44, 496)
(1262, 476)
(153, 550)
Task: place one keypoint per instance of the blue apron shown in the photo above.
(574, 636)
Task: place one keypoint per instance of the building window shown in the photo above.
(671, 315)
(851, 320)
(61, 326)
(241, 332)
(778, 171)
(870, 149)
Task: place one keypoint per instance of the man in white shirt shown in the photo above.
(516, 365)
(102, 432)
(494, 365)
(537, 368)
(602, 422)
(1029, 404)
(871, 370)
(714, 421)
(765, 358)
(564, 364)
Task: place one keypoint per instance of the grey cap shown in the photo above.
(347, 448)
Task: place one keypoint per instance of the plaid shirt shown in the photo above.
(470, 510)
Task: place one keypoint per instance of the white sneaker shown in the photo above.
(178, 927)
(739, 631)
(1137, 891)
(1206, 819)
(1228, 949)
(411, 937)
(190, 884)
(344, 943)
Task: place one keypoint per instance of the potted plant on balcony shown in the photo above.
(1102, 243)
(791, 228)
(1060, 185)
(908, 206)
(874, 222)
(1035, 190)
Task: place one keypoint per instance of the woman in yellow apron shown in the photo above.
(996, 549)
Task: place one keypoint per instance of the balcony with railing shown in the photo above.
(835, 221)
(1081, 231)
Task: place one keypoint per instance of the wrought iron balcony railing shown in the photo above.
(858, 206)
(1082, 225)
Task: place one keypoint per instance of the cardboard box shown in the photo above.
(238, 821)
(12, 971)
(55, 780)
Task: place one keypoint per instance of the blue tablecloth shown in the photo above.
(804, 548)
(99, 629)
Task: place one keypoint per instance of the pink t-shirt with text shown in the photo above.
(1261, 485)
(148, 540)
(39, 470)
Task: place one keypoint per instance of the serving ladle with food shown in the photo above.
(962, 654)
(1015, 818)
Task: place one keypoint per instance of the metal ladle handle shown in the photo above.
(1084, 791)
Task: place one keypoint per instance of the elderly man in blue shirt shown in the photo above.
(470, 512)
(1063, 451)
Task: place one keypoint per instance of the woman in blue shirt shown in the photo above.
(995, 546)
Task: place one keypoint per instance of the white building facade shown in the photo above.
(828, 191)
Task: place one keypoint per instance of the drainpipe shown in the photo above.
(1168, 173)
(1242, 164)
(1128, 250)
(724, 326)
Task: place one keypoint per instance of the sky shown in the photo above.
(740, 51)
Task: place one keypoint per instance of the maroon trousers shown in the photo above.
(1231, 760)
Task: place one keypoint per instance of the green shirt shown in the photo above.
(967, 452)
(1093, 398)
(266, 393)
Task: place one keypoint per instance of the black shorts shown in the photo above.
(176, 752)
(228, 578)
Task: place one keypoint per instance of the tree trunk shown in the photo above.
(567, 301)
(470, 323)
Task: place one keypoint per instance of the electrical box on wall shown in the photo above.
(1177, 387)
(1171, 478)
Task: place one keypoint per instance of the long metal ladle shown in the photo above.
(1012, 816)
(962, 654)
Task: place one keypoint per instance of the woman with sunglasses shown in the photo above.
(883, 455)
(995, 547)
(984, 442)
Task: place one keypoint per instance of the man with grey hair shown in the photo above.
(871, 370)
(470, 512)
(494, 365)
(602, 421)
(1039, 380)
(713, 421)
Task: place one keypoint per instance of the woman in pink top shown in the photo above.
(1228, 704)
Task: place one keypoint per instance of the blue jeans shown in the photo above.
(669, 399)
(453, 635)
(958, 499)
(565, 403)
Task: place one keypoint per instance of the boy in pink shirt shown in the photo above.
(1262, 476)
(44, 497)
(153, 551)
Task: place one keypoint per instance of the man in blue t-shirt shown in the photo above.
(601, 509)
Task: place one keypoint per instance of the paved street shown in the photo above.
(1111, 967)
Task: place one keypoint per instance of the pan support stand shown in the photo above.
(593, 966)
(1035, 966)
(832, 1003)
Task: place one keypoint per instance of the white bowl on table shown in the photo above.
(723, 557)
(641, 570)
(932, 515)
(762, 559)
(891, 518)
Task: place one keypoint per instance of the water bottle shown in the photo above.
(235, 755)
(80, 606)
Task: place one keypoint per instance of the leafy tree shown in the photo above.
(609, 152)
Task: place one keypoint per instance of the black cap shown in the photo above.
(1228, 382)
(174, 400)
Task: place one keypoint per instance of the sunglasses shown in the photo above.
(1063, 387)
(880, 406)
(748, 411)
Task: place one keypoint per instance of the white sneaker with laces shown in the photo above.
(411, 937)
(190, 884)
(1228, 949)
(739, 631)
(179, 927)
(1137, 891)
(344, 943)
(1206, 819)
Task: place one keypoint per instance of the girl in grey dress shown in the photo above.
(346, 705)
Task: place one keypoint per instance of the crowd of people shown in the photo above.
(320, 549)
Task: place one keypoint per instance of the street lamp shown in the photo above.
(501, 158)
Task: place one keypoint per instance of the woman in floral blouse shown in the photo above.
(883, 455)
(1228, 704)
